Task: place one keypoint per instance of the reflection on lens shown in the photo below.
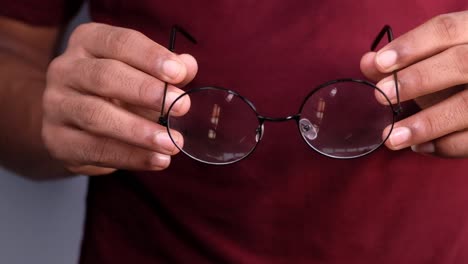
(347, 118)
(220, 127)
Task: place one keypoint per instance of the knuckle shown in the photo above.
(119, 40)
(79, 32)
(99, 155)
(138, 131)
(447, 27)
(111, 78)
(155, 53)
(98, 117)
(446, 121)
(146, 92)
(460, 60)
(92, 152)
(419, 80)
(100, 73)
(93, 115)
(428, 125)
(84, 29)
(56, 69)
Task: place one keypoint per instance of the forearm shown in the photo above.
(25, 52)
(21, 147)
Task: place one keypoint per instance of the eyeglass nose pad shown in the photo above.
(259, 133)
(308, 130)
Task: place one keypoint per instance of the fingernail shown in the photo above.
(159, 160)
(171, 68)
(388, 88)
(399, 136)
(387, 58)
(425, 148)
(163, 140)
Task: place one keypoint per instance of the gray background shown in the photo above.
(41, 222)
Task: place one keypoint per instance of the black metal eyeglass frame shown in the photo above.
(163, 119)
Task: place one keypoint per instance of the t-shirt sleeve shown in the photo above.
(40, 13)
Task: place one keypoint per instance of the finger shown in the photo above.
(116, 80)
(369, 69)
(86, 149)
(454, 145)
(105, 119)
(90, 170)
(143, 112)
(446, 69)
(371, 72)
(192, 68)
(430, 38)
(446, 117)
(133, 48)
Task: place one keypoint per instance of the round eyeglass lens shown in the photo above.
(343, 119)
(221, 127)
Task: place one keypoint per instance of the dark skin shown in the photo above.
(77, 106)
(432, 61)
(92, 107)
(25, 52)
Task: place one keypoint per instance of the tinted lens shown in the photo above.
(344, 119)
(220, 127)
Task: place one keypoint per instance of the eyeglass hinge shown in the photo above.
(162, 121)
(398, 110)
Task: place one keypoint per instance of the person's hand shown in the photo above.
(432, 65)
(104, 96)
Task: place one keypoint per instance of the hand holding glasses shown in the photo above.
(340, 119)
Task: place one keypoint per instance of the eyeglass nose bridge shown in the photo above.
(262, 119)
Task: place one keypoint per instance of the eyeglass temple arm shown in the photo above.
(387, 30)
(172, 40)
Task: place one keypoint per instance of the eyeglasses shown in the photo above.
(340, 119)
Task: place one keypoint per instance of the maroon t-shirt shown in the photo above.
(285, 203)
